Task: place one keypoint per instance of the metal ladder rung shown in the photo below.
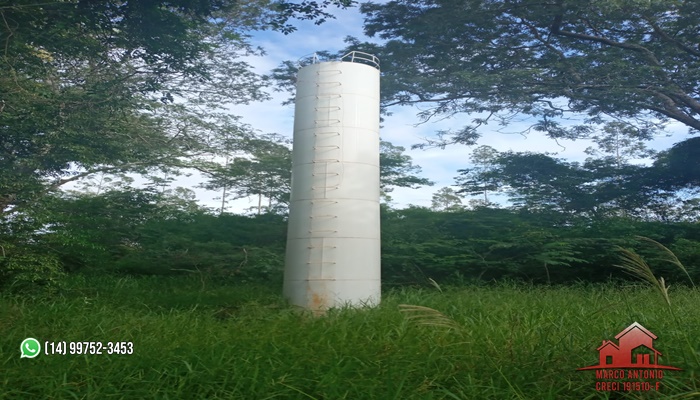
(326, 146)
(324, 201)
(328, 121)
(331, 108)
(323, 216)
(333, 83)
(322, 247)
(326, 173)
(325, 230)
(339, 71)
(325, 160)
(329, 96)
(325, 187)
(321, 262)
(327, 133)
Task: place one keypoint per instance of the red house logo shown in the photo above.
(635, 349)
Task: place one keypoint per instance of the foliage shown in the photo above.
(89, 85)
(263, 170)
(23, 271)
(512, 341)
(602, 61)
(396, 169)
(446, 199)
(305, 10)
(678, 167)
(148, 232)
(537, 246)
(597, 188)
(112, 88)
(621, 142)
(636, 266)
(483, 159)
(231, 247)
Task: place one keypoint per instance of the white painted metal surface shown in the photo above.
(333, 243)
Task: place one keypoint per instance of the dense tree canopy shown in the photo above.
(598, 188)
(91, 86)
(86, 85)
(107, 89)
(396, 169)
(117, 87)
(628, 59)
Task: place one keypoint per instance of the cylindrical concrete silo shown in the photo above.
(333, 242)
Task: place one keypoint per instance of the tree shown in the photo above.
(679, 167)
(264, 169)
(446, 199)
(305, 10)
(87, 85)
(116, 87)
(597, 188)
(473, 180)
(622, 59)
(621, 142)
(90, 87)
(396, 169)
(535, 181)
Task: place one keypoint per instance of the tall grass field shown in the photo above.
(201, 339)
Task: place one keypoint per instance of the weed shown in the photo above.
(221, 341)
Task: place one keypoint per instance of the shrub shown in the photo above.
(23, 271)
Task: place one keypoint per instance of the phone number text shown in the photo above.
(92, 348)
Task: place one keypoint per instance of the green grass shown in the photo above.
(200, 339)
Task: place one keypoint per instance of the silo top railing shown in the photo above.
(353, 56)
(362, 58)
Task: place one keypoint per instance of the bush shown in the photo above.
(22, 272)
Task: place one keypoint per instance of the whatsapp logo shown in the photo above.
(30, 348)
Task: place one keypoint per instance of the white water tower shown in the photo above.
(333, 240)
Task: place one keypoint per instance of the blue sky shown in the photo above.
(400, 128)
